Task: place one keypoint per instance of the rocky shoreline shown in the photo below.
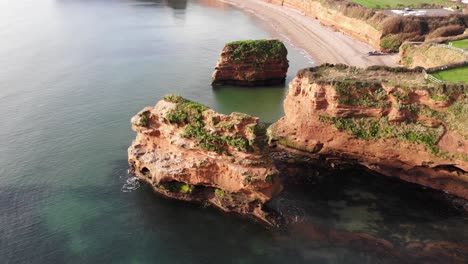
(392, 123)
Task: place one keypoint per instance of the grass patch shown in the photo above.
(262, 49)
(219, 193)
(189, 115)
(453, 75)
(361, 93)
(387, 4)
(462, 43)
(372, 128)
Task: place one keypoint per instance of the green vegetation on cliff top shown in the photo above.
(453, 75)
(364, 87)
(462, 43)
(261, 49)
(387, 4)
(189, 115)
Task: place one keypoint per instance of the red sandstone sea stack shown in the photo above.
(252, 63)
(186, 151)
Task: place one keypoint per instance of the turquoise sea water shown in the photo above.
(73, 73)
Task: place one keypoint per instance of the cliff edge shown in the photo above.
(391, 120)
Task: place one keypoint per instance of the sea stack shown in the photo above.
(390, 120)
(186, 151)
(252, 63)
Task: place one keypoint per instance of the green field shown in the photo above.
(462, 43)
(453, 75)
(386, 4)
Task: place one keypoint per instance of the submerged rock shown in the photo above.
(251, 63)
(187, 151)
(391, 120)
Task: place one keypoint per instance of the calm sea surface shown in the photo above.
(73, 73)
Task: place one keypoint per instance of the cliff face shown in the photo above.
(356, 28)
(186, 151)
(252, 62)
(378, 29)
(393, 123)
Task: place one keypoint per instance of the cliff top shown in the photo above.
(261, 49)
(209, 130)
(407, 79)
(326, 73)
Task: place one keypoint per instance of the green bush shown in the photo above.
(144, 119)
(219, 193)
(174, 98)
(391, 42)
(185, 188)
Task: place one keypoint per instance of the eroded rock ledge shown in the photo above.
(390, 120)
(252, 63)
(187, 151)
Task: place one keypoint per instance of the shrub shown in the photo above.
(219, 193)
(144, 119)
(391, 43)
(174, 98)
(185, 188)
(447, 31)
(239, 143)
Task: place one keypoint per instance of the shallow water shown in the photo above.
(73, 72)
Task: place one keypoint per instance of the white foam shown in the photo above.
(132, 183)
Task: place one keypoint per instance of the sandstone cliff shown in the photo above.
(379, 29)
(388, 119)
(187, 151)
(252, 62)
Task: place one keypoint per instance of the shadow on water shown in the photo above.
(367, 212)
(263, 102)
(351, 216)
(344, 217)
(177, 4)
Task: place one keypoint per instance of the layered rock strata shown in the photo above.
(252, 63)
(186, 151)
(381, 30)
(391, 120)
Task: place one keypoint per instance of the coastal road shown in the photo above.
(322, 43)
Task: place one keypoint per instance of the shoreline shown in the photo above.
(321, 43)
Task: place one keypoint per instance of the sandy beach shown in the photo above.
(322, 43)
